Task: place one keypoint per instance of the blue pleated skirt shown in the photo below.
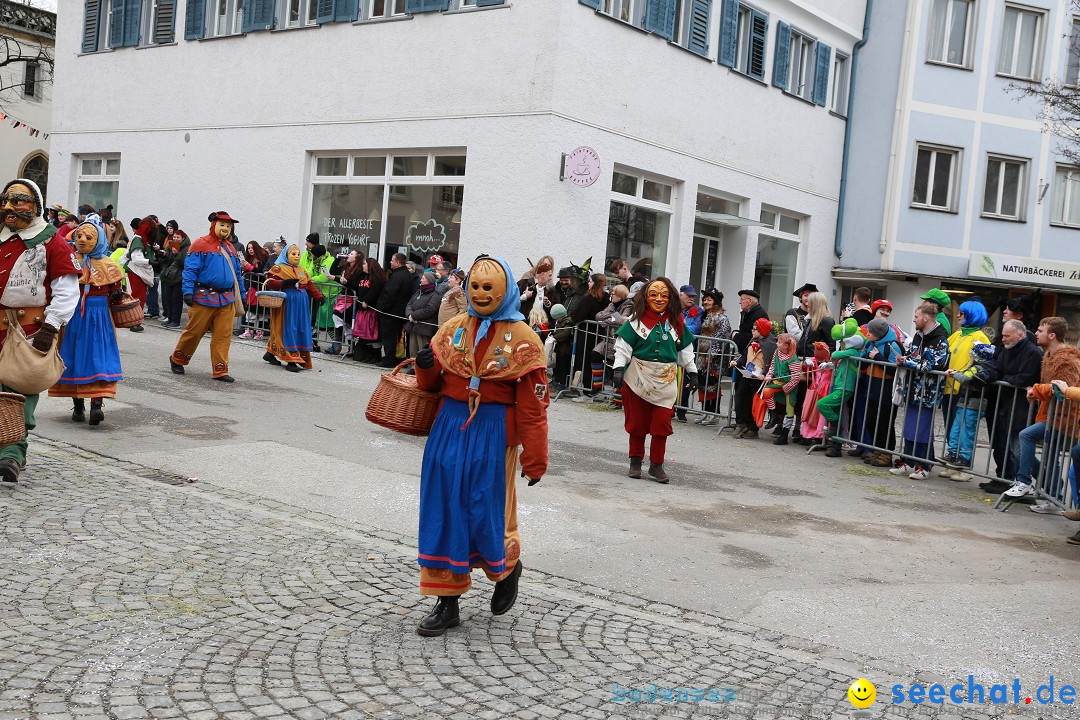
(296, 331)
(463, 490)
(89, 349)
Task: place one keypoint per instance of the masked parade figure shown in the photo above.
(89, 349)
(489, 366)
(290, 325)
(212, 276)
(39, 289)
(649, 350)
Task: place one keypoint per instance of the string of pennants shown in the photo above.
(16, 124)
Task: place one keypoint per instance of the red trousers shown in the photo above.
(138, 288)
(642, 418)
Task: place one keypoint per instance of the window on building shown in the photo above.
(840, 83)
(801, 67)
(30, 87)
(743, 39)
(1072, 69)
(160, 22)
(949, 40)
(639, 221)
(226, 17)
(1003, 193)
(462, 4)
(99, 180)
(781, 221)
(936, 172)
(37, 170)
(774, 272)
(1066, 210)
(1020, 54)
(631, 11)
(691, 25)
(1006, 181)
(380, 9)
(383, 203)
(299, 13)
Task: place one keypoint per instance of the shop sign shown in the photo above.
(351, 231)
(426, 237)
(581, 166)
(1026, 270)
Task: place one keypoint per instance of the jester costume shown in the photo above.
(290, 325)
(89, 348)
(491, 371)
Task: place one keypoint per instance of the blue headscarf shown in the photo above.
(974, 313)
(102, 248)
(283, 256)
(509, 308)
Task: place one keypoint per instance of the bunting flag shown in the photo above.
(17, 124)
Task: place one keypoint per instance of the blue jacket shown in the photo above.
(207, 276)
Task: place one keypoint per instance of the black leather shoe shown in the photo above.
(635, 467)
(78, 412)
(9, 470)
(226, 379)
(292, 367)
(96, 413)
(271, 358)
(656, 472)
(443, 616)
(505, 594)
(177, 368)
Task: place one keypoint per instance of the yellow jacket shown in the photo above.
(960, 355)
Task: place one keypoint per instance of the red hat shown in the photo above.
(764, 326)
(434, 260)
(879, 304)
(821, 352)
(221, 215)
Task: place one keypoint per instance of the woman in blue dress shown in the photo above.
(290, 325)
(89, 349)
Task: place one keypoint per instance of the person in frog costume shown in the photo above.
(489, 366)
(650, 347)
(845, 376)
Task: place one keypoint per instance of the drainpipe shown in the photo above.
(837, 244)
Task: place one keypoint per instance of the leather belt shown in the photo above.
(27, 316)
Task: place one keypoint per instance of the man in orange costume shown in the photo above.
(489, 365)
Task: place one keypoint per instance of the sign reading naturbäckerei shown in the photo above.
(1006, 267)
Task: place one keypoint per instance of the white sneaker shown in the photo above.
(1019, 490)
(246, 335)
(1046, 508)
(960, 476)
(919, 475)
(946, 472)
(582, 399)
(902, 469)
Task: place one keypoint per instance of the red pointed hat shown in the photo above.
(221, 215)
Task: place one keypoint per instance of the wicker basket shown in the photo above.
(270, 298)
(12, 422)
(126, 313)
(399, 404)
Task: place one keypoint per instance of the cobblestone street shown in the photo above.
(130, 593)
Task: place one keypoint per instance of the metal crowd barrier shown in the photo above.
(1052, 468)
(713, 400)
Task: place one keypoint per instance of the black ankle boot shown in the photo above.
(635, 467)
(782, 437)
(443, 616)
(96, 413)
(271, 358)
(78, 413)
(506, 591)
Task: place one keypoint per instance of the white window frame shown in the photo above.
(1038, 43)
(774, 226)
(628, 11)
(969, 40)
(638, 200)
(1070, 179)
(1072, 54)
(307, 11)
(1021, 187)
(102, 176)
(233, 22)
(471, 5)
(389, 9)
(35, 84)
(954, 176)
(841, 83)
(802, 62)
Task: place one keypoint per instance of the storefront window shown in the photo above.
(774, 276)
(638, 236)
(347, 215)
(99, 180)
(424, 220)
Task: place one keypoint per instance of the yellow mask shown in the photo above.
(222, 229)
(487, 286)
(86, 239)
(658, 297)
(293, 255)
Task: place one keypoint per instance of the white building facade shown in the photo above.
(26, 91)
(952, 181)
(712, 130)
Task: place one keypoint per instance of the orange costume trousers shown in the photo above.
(219, 321)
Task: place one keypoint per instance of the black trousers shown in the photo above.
(744, 402)
(175, 293)
(390, 332)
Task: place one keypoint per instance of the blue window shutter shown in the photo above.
(165, 23)
(324, 11)
(116, 23)
(91, 25)
(132, 18)
(729, 33)
(258, 15)
(594, 4)
(759, 41)
(821, 74)
(699, 26)
(412, 7)
(195, 20)
(346, 10)
(489, 3)
(783, 55)
(660, 18)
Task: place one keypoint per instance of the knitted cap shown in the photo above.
(764, 326)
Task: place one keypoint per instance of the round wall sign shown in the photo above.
(583, 166)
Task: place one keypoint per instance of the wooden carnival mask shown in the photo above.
(658, 297)
(222, 229)
(293, 255)
(487, 286)
(17, 207)
(86, 239)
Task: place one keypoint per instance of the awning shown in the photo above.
(728, 220)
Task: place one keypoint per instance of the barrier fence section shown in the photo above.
(928, 419)
(713, 399)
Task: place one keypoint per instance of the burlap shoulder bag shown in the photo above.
(24, 368)
(238, 301)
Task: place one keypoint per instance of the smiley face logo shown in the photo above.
(862, 694)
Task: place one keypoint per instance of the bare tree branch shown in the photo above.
(27, 35)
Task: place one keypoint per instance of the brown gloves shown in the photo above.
(42, 340)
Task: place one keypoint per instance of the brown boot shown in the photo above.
(656, 472)
(881, 460)
(635, 467)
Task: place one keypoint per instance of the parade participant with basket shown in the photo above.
(213, 291)
(89, 348)
(39, 289)
(489, 367)
(289, 292)
(649, 349)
